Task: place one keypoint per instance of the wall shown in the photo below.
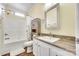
(37, 11)
(67, 16)
(77, 21)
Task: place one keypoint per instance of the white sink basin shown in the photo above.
(48, 39)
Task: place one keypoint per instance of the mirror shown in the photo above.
(52, 16)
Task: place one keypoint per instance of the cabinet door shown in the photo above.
(55, 51)
(52, 52)
(43, 51)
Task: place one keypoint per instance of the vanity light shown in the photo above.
(19, 14)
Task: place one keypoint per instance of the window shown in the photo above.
(19, 14)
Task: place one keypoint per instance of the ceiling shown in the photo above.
(19, 7)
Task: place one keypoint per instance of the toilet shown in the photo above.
(28, 44)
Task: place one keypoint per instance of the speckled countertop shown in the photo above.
(66, 44)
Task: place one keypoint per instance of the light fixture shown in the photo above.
(19, 14)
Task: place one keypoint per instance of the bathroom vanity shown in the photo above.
(52, 47)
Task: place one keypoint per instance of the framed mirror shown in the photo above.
(52, 16)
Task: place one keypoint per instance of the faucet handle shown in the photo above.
(50, 33)
(6, 34)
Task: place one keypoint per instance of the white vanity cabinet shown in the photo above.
(41, 48)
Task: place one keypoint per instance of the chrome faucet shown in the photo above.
(50, 35)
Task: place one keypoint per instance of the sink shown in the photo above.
(49, 39)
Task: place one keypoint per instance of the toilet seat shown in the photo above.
(28, 43)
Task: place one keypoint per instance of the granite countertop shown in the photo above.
(66, 44)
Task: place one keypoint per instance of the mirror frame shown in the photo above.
(49, 9)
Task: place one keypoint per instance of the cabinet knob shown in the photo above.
(38, 45)
(7, 38)
(56, 55)
(6, 34)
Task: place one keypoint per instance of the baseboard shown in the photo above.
(7, 54)
(17, 51)
(4, 53)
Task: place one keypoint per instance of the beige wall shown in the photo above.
(67, 16)
(37, 11)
